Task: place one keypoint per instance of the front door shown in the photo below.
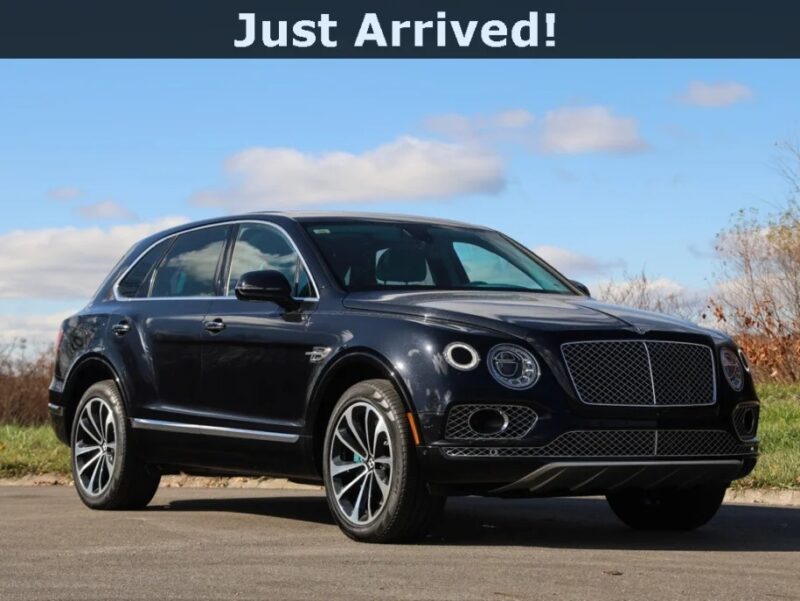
(256, 358)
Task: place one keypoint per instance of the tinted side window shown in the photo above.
(190, 266)
(261, 247)
(137, 280)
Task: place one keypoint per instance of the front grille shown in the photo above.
(622, 443)
(641, 372)
(520, 421)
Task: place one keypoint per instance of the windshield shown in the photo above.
(380, 256)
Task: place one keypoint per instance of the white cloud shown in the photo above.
(480, 127)
(67, 262)
(406, 169)
(64, 193)
(571, 263)
(715, 94)
(35, 329)
(512, 119)
(105, 210)
(589, 129)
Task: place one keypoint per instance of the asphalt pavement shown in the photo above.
(198, 544)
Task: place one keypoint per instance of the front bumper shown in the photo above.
(590, 462)
(598, 477)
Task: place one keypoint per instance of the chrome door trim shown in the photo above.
(211, 297)
(181, 428)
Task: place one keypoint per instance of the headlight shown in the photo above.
(513, 366)
(732, 368)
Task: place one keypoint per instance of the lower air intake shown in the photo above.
(622, 443)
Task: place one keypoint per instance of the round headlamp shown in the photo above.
(732, 368)
(513, 366)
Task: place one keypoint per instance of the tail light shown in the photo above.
(59, 338)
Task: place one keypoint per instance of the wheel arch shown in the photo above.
(88, 370)
(344, 371)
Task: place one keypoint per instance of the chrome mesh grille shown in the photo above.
(621, 443)
(639, 372)
(520, 421)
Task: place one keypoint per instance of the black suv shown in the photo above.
(397, 361)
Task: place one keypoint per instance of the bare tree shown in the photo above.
(651, 294)
(24, 378)
(758, 286)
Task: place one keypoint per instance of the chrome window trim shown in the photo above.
(181, 428)
(710, 349)
(280, 229)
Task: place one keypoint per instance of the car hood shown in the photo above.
(521, 313)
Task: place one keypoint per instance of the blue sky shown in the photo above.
(620, 164)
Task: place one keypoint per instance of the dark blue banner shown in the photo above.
(410, 29)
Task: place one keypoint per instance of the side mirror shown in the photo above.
(268, 285)
(582, 287)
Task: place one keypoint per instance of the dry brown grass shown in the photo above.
(24, 378)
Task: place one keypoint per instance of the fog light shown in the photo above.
(749, 421)
(745, 420)
(488, 422)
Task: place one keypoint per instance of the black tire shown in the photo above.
(668, 509)
(408, 509)
(130, 483)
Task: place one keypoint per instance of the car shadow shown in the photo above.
(589, 523)
(566, 523)
(304, 508)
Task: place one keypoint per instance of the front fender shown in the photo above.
(410, 352)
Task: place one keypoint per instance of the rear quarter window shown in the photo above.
(137, 281)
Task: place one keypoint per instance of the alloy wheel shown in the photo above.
(360, 463)
(95, 447)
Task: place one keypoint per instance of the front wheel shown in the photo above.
(106, 468)
(668, 509)
(373, 485)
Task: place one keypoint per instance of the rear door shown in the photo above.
(158, 326)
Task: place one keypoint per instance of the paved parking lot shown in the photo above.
(260, 544)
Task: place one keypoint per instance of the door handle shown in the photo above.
(214, 325)
(121, 328)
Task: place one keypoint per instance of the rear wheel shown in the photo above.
(668, 509)
(372, 481)
(107, 471)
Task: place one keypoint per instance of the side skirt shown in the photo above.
(200, 429)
